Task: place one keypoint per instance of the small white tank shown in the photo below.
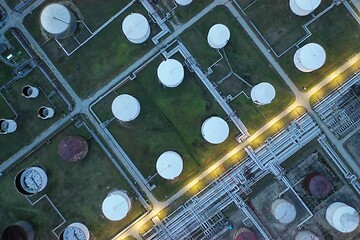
(306, 235)
(183, 2)
(29, 91)
(283, 211)
(303, 7)
(33, 180)
(116, 205)
(75, 231)
(45, 112)
(218, 36)
(7, 126)
(136, 28)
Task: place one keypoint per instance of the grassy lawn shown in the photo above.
(246, 60)
(339, 34)
(90, 10)
(285, 28)
(5, 73)
(19, 55)
(100, 60)
(29, 125)
(67, 189)
(170, 119)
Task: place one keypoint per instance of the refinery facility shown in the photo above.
(180, 120)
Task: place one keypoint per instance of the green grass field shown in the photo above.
(285, 28)
(28, 123)
(100, 60)
(170, 119)
(77, 190)
(339, 34)
(5, 73)
(246, 60)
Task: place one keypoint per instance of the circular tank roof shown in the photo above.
(170, 72)
(307, 5)
(115, 206)
(135, 26)
(218, 36)
(318, 185)
(169, 165)
(306, 235)
(183, 2)
(72, 148)
(246, 235)
(55, 18)
(33, 179)
(76, 231)
(125, 107)
(311, 56)
(215, 130)
(283, 211)
(342, 217)
(263, 93)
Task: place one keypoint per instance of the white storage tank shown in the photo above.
(169, 165)
(283, 211)
(7, 126)
(29, 91)
(215, 130)
(303, 7)
(31, 180)
(183, 2)
(58, 20)
(45, 112)
(171, 73)
(342, 217)
(263, 93)
(306, 235)
(136, 28)
(125, 107)
(310, 57)
(116, 205)
(218, 36)
(75, 231)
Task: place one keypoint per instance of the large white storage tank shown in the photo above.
(310, 57)
(218, 36)
(303, 7)
(169, 165)
(7, 126)
(136, 28)
(171, 73)
(215, 130)
(183, 2)
(58, 20)
(263, 93)
(116, 205)
(283, 211)
(125, 107)
(342, 217)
